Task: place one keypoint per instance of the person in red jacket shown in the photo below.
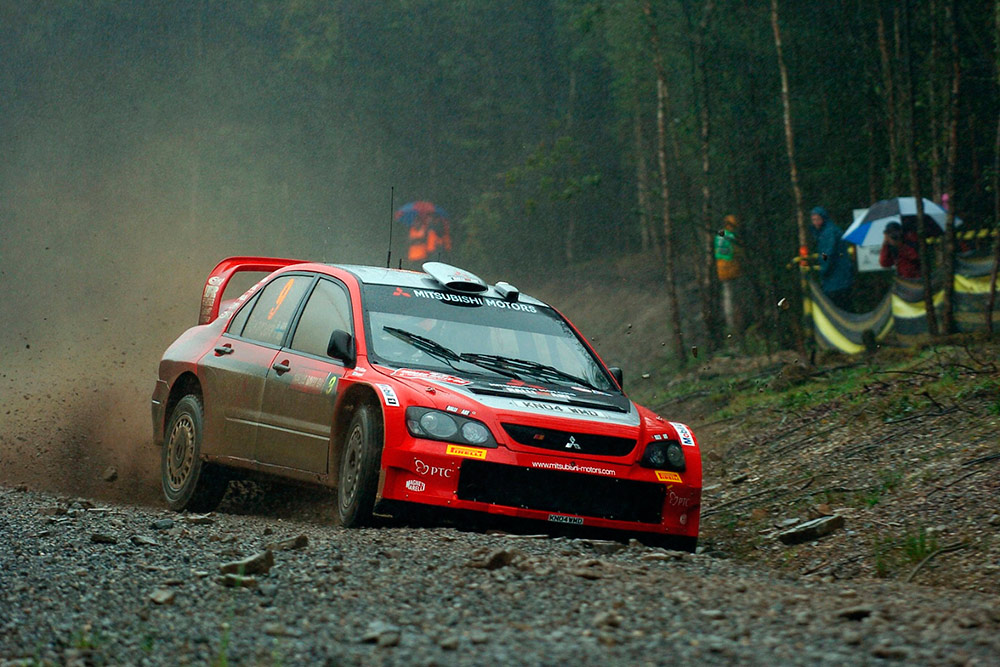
(900, 250)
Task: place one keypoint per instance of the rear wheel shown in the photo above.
(188, 482)
(359, 468)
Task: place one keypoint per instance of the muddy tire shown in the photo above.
(360, 459)
(188, 482)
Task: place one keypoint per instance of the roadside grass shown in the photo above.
(874, 435)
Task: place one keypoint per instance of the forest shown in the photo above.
(158, 137)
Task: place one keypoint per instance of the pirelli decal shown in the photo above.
(467, 452)
(667, 476)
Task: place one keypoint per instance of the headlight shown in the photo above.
(439, 425)
(664, 455)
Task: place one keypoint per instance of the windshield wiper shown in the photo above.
(447, 355)
(426, 345)
(511, 365)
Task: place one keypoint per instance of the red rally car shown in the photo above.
(430, 387)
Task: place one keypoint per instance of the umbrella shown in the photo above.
(868, 228)
(418, 209)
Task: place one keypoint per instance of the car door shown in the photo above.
(299, 393)
(233, 374)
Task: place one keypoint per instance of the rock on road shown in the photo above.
(83, 582)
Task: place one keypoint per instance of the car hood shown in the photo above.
(535, 398)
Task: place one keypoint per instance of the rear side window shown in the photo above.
(236, 326)
(328, 309)
(273, 311)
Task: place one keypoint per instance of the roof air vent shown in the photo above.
(454, 278)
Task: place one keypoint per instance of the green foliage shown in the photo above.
(221, 658)
(919, 545)
(535, 128)
(885, 559)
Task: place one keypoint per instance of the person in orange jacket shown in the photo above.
(428, 234)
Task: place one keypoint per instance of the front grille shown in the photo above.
(571, 443)
(561, 491)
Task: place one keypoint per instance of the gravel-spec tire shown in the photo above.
(188, 482)
(360, 460)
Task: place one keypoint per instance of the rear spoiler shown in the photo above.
(223, 273)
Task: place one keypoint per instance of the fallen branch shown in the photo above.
(923, 414)
(929, 375)
(939, 488)
(981, 459)
(832, 566)
(943, 550)
(715, 509)
(988, 367)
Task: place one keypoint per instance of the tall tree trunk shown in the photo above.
(935, 111)
(873, 185)
(888, 84)
(948, 263)
(646, 233)
(709, 282)
(996, 184)
(662, 104)
(793, 172)
(194, 198)
(570, 223)
(911, 162)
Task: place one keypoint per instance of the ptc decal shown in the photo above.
(684, 434)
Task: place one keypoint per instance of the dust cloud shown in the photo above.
(123, 183)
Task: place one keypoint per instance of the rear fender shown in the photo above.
(224, 271)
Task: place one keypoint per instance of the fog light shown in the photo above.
(655, 455)
(663, 455)
(475, 433)
(675, 456)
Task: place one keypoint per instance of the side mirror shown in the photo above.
(342, 347)
(619, 377)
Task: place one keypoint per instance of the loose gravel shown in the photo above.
(85, 583)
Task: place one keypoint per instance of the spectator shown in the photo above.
(900, 250)
(836, 269)
(728, 253)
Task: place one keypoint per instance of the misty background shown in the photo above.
(142, 143)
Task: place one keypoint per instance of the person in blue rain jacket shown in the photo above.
(836, 268)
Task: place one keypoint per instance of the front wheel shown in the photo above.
(359, 467)
(188, 482)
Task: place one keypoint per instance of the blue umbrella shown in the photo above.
(416, 209)
(869, 227)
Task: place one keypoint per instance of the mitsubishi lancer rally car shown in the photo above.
(403, 389)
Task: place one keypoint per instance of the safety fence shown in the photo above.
(901, 317)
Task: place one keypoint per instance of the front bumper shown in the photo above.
(576, 491)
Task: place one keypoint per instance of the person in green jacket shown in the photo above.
(836, 268)
(728, 259)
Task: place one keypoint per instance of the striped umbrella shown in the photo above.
(868, 228)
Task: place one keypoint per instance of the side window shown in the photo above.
(328, 308)
(273, 311)
(238, 322)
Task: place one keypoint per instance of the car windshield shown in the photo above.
(476, 335)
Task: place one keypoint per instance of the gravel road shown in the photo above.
(83, 582)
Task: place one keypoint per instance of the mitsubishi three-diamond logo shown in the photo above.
(572, 444)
